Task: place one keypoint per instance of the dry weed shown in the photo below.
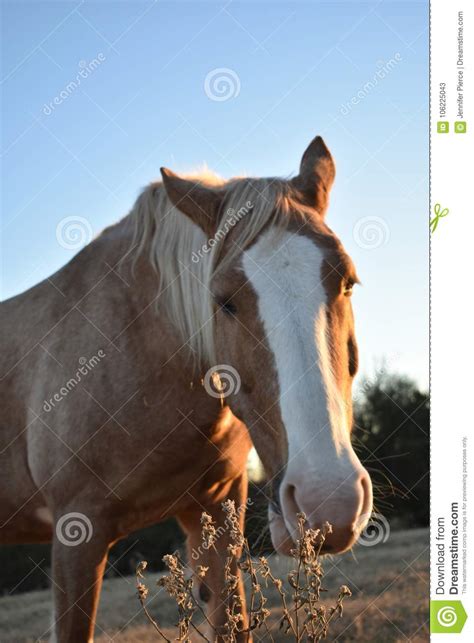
(304, 617)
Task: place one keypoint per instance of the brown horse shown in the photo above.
(135, 379)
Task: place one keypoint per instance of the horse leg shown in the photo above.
(211, 589)
(78, 568)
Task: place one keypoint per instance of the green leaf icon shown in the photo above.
(447, 617)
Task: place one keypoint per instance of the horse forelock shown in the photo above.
(187, 261)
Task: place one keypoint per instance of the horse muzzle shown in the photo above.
(345, 503)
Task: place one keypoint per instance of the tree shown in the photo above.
(391, 435)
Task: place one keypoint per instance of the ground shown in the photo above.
(389, 582)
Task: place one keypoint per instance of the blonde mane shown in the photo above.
(174, 245)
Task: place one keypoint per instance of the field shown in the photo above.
(389, 582)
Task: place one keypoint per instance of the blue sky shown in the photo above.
(293, 67)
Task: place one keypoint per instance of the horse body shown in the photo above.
(105, 421)
(124, 446)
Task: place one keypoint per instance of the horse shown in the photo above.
(215, 316)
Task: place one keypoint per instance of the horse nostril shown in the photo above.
(290, 507)
(289, 498)
(339, 540)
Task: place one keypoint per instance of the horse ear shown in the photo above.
(317, 172)
(198, 202)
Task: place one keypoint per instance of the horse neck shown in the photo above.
(148, 321)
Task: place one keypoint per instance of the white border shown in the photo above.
(452, 299)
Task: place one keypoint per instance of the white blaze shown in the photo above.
(285, 272)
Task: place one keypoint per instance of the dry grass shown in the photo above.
(301, 615)
(389, 583)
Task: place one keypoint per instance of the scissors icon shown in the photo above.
(439, 214)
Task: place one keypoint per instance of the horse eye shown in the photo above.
(227, 307)
(347, 289)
